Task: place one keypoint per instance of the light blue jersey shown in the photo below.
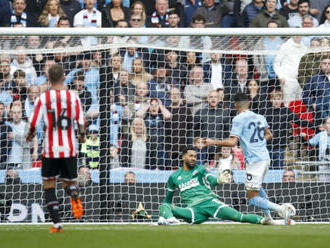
(249, 128)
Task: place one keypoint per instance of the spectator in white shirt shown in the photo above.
(89, 17)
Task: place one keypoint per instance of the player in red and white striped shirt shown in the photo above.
(61, 111)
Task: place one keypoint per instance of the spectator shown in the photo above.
(90, 150)
(88, 17)
(18, 14)
(322, 139)
(249, 12)
(130, 177)
(138, 8)
(70, 8)
(214, 71)
(91, 76)
(114, 157)
(189, 11)
(84, 177)
(5, 98)
(116, 115)
(129, 55)
(201, 150)
(135, 21)
(325, 18)
(12, 177)
(178, 128)
(159, 18)
(174, 69)
(303, 9)
(160, 85)
(213, 13)
(237, 83)
(109, 74)
(141, 98)
(20, 156)
(286, 66)
(197, 42)
(290, 9)
(197, 93)
(51, 14)
(19, 86)
(212, 122)
(264, 64)
(280, 120)
(192, 60)
(316, 90)
(174, 19)
(317, 6)
(309, 64)
(289, 176)
(6, 136)
(38, 59)
(42, 80)
(135, 150)
(139, 73)
(33, 94)
(113, 12)
(307, 22)
(5, 14)
(5, 68)
(84, 94)
(257, 97)
(119, 39)
(155, 115)
(24, 63)
(225, 159)
(123, 87)
(269, 13)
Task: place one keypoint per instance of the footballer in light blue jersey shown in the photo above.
(249, 127)
(251, 130)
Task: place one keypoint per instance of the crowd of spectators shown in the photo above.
(151, 102)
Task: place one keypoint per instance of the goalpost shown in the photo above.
(147, 93)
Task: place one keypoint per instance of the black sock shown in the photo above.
(52, 205)
(72, 190)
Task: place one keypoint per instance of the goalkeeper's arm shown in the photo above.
(223, 177)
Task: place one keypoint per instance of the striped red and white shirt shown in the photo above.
(61, 112)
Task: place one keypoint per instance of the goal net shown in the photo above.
(148, 94)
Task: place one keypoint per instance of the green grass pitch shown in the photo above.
(144, 236)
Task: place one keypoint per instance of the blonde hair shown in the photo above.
(43, 19)
(144, 132)
(145, 76)
(143, 16)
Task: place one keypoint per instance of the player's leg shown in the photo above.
(257, 196)
(168, 212)
(68, 175)
(49, 172)
(217, 209)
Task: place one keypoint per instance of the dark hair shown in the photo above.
(272, 21)
(303, 1)
(198, 17)
(186, 149)
(63, 18)
(1, 103)
(55, 73)
(174, 12)
(19, 73)
(79, 75)
(241, 97)
(323, 16)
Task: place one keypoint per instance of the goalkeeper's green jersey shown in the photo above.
(193, 185)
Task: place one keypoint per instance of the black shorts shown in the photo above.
(62, 168)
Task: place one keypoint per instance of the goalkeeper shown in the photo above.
(202, 203)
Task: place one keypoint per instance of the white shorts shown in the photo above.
(255, 173)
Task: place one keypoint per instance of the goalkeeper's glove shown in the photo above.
(224, 176)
